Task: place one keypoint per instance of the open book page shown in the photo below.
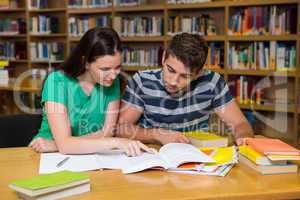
(176, 154)
(75, 163)
(145, 161)
(112, 160)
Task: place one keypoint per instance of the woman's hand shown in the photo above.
(133, 147)
(43, 145)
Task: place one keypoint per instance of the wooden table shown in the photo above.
(240, 183)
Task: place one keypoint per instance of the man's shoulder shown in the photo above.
(147, 75)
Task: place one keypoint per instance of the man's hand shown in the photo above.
(166, 136)
(43, 145)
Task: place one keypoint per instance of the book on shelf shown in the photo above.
(12, 26)
(4, 74)
(263, 20)
(52, 186)
(38, 4)
(43, 24)
(246, 90)
(79, 25)
(269, 169)
(206, 139)
(45, 51)
(139, 26)
(215, 56)
(203, 25)
(142, 57)
(8, 4)
(89, 3)
(129, 2)
(13, 51)
(187, 1)
(273, 55)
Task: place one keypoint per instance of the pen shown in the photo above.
(62, 162)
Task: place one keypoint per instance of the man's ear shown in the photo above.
(163, 57)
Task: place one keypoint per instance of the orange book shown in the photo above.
(271, 146)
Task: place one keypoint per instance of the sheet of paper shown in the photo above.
(111, 160)
(76, 163)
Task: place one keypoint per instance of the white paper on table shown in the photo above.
(76, 163)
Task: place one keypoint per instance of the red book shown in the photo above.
(268, 146)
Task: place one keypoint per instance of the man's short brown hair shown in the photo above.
(190, 49)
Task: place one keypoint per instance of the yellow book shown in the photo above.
(206, 139)
(222, 155)
(255, 156)
(4, 63)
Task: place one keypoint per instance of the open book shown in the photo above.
(169, 157)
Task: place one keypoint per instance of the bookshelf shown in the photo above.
(220, 10)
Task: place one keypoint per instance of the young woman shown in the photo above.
(81, 100)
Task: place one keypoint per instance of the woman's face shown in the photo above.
(105, 69)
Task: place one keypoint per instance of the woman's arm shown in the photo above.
(60, 127)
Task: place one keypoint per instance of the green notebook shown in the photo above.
(50, 180)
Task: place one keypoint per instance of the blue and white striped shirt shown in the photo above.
(145, 90)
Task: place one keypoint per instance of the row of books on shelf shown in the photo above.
(246, 90)
(139, 26)
(187, 1)
(142, 57)
(280, 56)
(215, 55)
(47, 51)
(44, 24)
(13, 50)
(262, 20)
(89, 3)
(202, 24)
(38, 4)
(6, 4)
(12, 26)
(79, 25)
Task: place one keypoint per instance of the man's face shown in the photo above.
(176, 76)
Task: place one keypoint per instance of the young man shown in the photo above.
(160, 104)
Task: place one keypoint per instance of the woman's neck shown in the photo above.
(87, 78)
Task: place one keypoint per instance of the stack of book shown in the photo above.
(269, 156)
(52, 186)
(203, 139)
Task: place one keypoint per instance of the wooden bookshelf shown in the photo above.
(225, 7)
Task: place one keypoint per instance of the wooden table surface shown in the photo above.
(240, 183)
